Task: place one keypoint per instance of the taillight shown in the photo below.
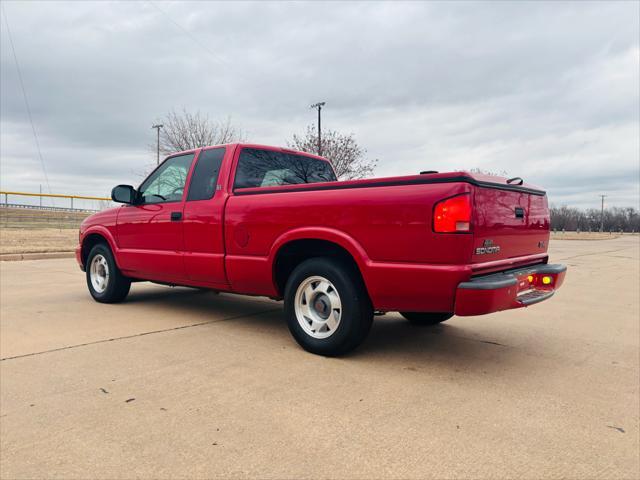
(453, 214)
(541, 280)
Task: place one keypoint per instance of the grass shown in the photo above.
(24, 230)
(41, 240)
(26, 218)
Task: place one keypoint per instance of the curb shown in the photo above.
(9, 257)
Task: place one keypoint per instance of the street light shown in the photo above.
(158, 127)
(319, 106)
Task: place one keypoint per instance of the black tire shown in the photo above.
(356, 312)
(117, 285)
(426, 318)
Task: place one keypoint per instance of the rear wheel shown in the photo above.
(426, 318)
(105, 281)
(327, 307)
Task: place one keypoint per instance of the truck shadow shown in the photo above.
(456, 344)
(393, 342)
(201, 304)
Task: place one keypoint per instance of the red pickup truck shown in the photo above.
(268, 221)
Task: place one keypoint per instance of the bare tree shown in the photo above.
(615, 219)
(186, 130)
(342, 150)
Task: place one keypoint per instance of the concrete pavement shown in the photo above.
(176, 383)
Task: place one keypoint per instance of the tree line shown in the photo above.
(614, 219)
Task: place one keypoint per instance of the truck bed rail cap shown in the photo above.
(387, 182)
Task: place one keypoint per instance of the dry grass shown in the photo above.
(24, 218)
(25, 230)
(21, 240)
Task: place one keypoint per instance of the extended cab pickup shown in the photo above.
(268, 221)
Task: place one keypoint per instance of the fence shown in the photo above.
(40, 196)
(38, 215)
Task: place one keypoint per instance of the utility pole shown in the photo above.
(158, 127)
(319, 106)
(602, 214)
(41, 195)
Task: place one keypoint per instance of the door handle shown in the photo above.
(176, 216)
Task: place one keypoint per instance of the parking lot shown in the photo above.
(177, 383)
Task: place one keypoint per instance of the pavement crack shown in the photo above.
(493, 343)
(591, 254)
(620, 429)
(115, 339)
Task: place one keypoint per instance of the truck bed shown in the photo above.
(387, 222)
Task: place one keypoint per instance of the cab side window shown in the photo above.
(205, 174)
(167, 183)
(268, 168)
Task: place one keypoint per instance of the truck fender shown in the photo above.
(338, 237)
(107, 235)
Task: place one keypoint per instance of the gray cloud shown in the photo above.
(547, 91)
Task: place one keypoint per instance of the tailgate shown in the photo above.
(508, 223)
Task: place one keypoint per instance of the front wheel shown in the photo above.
(106, 283)
(426, 318)
(327, 307)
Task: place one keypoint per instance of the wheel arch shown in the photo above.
(297, 246)
(94, 236)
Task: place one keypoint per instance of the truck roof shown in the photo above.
(252, 145)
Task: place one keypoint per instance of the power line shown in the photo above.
(195, 39)
(26, 101)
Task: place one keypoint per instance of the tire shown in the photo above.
(426, 318)
(101, 265)
(327, 307)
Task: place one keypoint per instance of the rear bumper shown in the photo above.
(510, 289)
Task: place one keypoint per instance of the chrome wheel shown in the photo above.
(318, 307)
(99, 273)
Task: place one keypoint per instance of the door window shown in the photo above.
(167, 183)
(205, 174)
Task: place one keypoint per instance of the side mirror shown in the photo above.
(124, 194)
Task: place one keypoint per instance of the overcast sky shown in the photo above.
(547, 91)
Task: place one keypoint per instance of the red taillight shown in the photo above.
(453, 215)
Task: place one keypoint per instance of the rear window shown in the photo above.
(266, 168)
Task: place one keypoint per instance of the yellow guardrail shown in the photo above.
(54, 195)
(7, 193)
